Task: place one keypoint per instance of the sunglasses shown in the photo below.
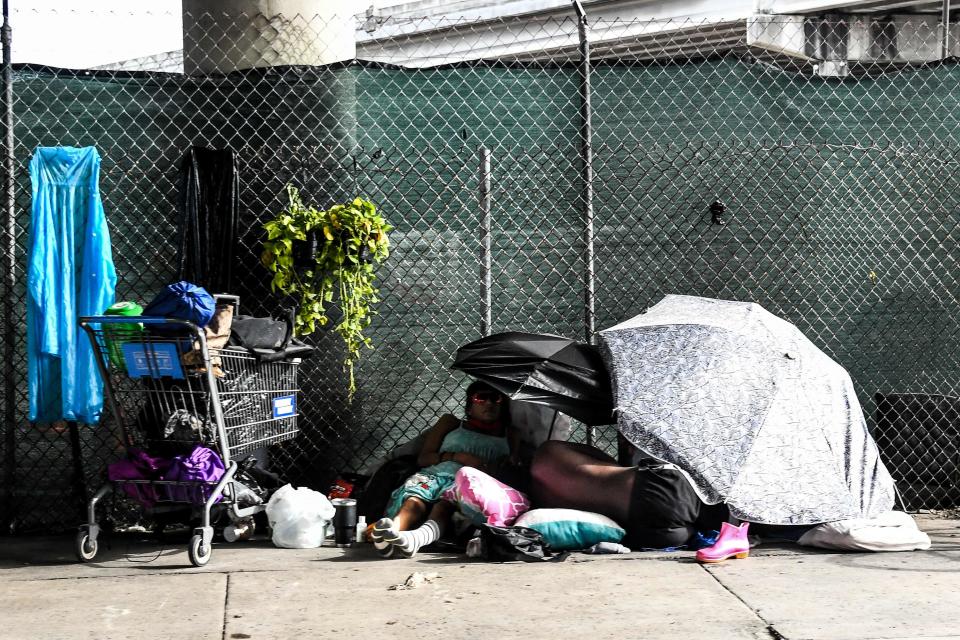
(487, 396)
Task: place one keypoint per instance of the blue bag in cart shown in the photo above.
(183, 301)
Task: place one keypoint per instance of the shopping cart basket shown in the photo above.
(163, 398)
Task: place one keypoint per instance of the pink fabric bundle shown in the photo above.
(486, 500)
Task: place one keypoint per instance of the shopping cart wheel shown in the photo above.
(85, 547)
(198, 551)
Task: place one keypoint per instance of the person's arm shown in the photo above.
(429, 452)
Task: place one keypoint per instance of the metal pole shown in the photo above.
(9, 308)
(945, 19)
(486, 287)
(79, 481)
(586, 158)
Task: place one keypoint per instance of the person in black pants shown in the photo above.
(654, 503)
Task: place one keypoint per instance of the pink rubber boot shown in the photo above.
(732, 542)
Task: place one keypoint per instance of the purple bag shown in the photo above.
(203, 465)
(139, 465)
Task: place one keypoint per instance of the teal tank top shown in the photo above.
(486, 447)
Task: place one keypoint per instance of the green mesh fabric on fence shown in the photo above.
(841, 199)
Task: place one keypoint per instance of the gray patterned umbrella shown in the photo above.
(753, 411)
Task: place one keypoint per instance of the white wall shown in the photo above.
(94, 32)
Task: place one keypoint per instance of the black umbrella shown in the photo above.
(553, 371)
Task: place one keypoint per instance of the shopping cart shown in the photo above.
(167, 390)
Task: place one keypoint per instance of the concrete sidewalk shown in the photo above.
(138, 590)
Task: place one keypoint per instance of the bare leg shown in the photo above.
(575, 476)
(412, 513)
(441, 514)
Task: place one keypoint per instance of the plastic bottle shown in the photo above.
(607, 547)
(475, 547)
(361, 530)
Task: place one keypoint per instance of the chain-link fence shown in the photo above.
(832, 144)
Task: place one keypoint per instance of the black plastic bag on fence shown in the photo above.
(207, 230)
(509, 544)
(267, 339)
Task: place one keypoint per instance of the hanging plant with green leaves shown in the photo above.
(318, 255)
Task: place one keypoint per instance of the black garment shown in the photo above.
(507, 544)
(165, 430)
(268, 340)
(665, 511)
(209, 195)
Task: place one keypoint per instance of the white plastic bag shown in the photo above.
(298, 517)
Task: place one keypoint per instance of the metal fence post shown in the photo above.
(945, 44)
(486, 285)
(586, 159)
(9, 308)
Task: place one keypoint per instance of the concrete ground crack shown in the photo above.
(158, 572)
(226, 607)
(774, 634)
(771, 630)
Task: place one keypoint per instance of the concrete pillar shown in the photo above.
(308, 117)
(220, 36)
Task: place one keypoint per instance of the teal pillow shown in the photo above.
(571, 529)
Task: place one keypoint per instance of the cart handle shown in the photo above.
(87, 320)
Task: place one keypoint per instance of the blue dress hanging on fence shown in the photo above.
(70, 273)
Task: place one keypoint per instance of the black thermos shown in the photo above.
(344, 521)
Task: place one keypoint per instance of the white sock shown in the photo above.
(411, 541)
(381, 530)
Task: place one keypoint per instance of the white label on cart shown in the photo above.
(159, 360)
(284, 406)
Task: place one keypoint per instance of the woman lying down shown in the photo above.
(656, 506)
(420, 510)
